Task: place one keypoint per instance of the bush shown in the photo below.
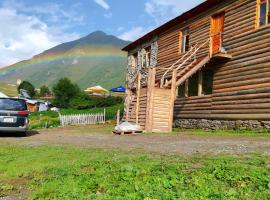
(100, 102)
(83, 101)
(47, 119)
(44, 91)
(25, 85)
(80, 102)
(64, 91)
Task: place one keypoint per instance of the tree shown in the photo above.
(44, 91)
(64, 91)
(26, 85)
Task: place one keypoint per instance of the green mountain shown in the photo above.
(96, 59)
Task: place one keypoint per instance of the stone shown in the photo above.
(222, 124)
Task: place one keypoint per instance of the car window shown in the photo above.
(13, 104)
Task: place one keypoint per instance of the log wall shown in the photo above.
(241, 87)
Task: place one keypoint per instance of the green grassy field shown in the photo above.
(224, 133)
(71, 173)
(8, 89)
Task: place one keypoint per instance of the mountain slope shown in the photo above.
(96, 59)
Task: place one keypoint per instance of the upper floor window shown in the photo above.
(263, 12)
(146, 57)
(134, 62)
(184, 40)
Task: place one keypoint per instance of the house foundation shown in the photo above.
(222, 124)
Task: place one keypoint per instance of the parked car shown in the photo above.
(13, 115)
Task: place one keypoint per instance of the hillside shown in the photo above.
(10, 90)
(96, 59)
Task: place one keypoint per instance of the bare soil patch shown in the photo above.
(183, 143)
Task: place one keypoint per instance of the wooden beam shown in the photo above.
(172, 100)
(150, 98)
(193, 70)
(138, 98)
(200, 83)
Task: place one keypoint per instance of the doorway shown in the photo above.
(217, 28)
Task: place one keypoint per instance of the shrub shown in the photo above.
(26, 85)
(64, 91)
(44, 91)
(80, 102)
(106, 101)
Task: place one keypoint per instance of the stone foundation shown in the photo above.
(222, 124)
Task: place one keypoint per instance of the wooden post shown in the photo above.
(138, 98)
(173, 96)
(127, 105)
(104, 115)
(150, 96)
(186, 88)
(118, 117)
(200, 83)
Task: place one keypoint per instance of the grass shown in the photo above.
(73, 173)
(50, 119)
(9, 90)
(225, 133)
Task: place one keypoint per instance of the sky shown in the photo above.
(28, 27)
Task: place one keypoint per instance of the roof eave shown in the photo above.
(180, 19)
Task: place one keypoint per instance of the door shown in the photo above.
(217, 27)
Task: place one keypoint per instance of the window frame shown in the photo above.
(200, 86)
(134, 60)
(258, 14)
(183, 39)
(146, 57)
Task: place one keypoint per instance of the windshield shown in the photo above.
(13, 104)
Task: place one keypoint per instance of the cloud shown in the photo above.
(103, 4)
(134, 33)
(25, 36)
(108, 15)
(52, 12)
(164, 10)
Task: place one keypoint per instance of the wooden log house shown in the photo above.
(207, 68)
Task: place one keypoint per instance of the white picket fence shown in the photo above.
(83, 119)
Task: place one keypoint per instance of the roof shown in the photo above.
(118, 89)
(96, 89)
(180, 19)
(2, 95)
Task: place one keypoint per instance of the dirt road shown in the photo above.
(182, 144)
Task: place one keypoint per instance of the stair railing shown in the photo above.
(192, 53)
(177, 62)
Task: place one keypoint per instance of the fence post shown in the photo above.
(118, 117)
(104, 116)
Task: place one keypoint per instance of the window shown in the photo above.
(263, 12)
(207, 82)
(134, 60)
(12, 105)
(184, 40)
(182, 90)
(193, 85)
(146, 57)
(199, 84)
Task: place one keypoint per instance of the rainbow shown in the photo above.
(98, 52)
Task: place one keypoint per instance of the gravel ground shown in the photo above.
(182, 144)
